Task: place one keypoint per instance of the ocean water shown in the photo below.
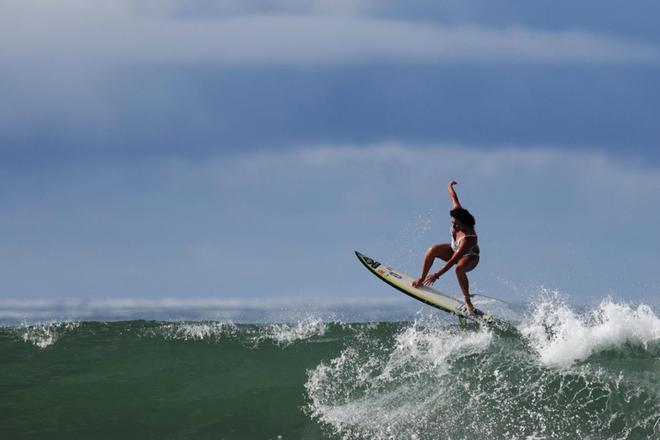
(558, 373)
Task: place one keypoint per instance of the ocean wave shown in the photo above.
(432, 380)
(375, 389)
(560, 336)
(192, 331)
(282, 334)
(238, 310)
(45, 334)
(287, 334)
(425, 379)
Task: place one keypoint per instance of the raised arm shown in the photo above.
(452, 195)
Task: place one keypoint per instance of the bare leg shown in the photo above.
(443, 251)
(465, 265)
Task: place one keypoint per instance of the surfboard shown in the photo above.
(427, 295)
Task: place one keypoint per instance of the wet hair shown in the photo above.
(463, 216)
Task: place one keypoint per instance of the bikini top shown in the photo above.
(474, 250)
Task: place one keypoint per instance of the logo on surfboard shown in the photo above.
(372, 263)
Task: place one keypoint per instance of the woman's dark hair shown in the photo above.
(463, 216)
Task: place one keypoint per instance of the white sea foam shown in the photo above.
(243, 310)
(46, 334)
(430, 381)
(376, 391)
(562, 336)
(287, 334)
(194, 331)
(280, 334)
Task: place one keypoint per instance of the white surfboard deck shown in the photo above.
(428, 295)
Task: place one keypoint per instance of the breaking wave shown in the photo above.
(564, 375)
(559, 373)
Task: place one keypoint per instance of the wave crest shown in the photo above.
(282, 334)
(287, 334)
(560, 336)
(46, 334)
(379, 390)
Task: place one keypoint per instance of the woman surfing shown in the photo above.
(463, 251)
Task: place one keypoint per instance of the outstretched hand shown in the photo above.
(429, 280)
(451, 184)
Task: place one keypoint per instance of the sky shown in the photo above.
(231, 149)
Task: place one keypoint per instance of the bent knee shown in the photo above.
(435, 249)
(442, 251)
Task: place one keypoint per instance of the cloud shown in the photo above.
(74, 34)
(71, 70)
(424, 163)
(240, 225)
(573, 220)
(224, 8)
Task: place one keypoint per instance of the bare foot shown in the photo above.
(469, 307)
(417, 282)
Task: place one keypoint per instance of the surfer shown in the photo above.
(463, 251)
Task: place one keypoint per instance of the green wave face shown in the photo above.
(315, 378)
